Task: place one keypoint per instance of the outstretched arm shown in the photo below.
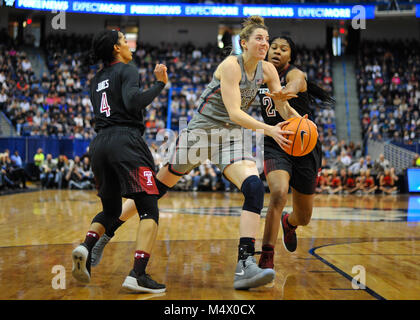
(276, 93)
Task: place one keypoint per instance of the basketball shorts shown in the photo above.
(303, 171)
(122, 163)
(221, 146)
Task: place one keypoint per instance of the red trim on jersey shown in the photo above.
(207, 99)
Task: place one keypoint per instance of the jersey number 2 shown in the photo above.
(104, 105)
(268, 103)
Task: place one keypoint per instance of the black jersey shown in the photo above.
(116, 97)
(268, 109)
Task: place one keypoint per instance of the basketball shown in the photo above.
(304, 139)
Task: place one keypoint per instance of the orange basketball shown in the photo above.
(304, 139)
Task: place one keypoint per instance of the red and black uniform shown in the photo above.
(304, 170)
(350, 182)
(388, 181)
(121, 160)
(335, 182)
(368, 182)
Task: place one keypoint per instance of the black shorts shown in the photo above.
(303, 171)
(122, 163)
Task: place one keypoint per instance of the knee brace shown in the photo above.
(147, 206)
(253, 190)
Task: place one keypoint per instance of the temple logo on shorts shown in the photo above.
(148, 175)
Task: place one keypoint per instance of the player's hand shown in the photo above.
(277, 133)
(160, 73)
(281, 95)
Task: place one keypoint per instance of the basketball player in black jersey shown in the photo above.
(281, 169)
(121, 160)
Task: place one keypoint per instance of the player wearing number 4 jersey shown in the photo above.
(282, 169)
(121, 160)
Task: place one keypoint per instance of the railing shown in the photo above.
(399, 158)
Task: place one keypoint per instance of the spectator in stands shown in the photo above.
(48, 171)
(323, 183)
(74, 176)
(368, 186)
(17, 171)
(381, 164)
(357, 166)
(5, 181)
(62, 169)
(387, 182)
(208, 179)
(416, 161)
(349, 185)
(335, 183)
(38, 161)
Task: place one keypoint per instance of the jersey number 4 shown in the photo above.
(269, 107)
(104, 105)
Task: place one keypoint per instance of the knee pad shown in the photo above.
(104, 220)
(147, 206)
(162, 188)
(253, 190)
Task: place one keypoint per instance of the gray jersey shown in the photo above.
(210, 106)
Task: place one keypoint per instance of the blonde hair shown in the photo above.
(249, 25)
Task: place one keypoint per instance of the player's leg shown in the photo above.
(278, 182)
(245, 176)
(303, 181)
(109, 190)
(82, 255)
(166, 178)
(138, 280)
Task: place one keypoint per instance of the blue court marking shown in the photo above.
(341, 272)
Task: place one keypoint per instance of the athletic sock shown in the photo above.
(246, 248)
(267, 247)
(91, 238)
(110, 232)
(141, 259)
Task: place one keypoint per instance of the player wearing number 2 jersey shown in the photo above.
(282, 169)
(121, 160)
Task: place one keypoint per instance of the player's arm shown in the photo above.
(229, 74)
(272, 80)
(133, 98)
(296, 82)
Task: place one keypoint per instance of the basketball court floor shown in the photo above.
(355, 248)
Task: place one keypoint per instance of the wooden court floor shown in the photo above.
(373, 239)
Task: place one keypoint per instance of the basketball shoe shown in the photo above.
(289, 233)
(249, 275)
(143, 283)
(81, 263)
(98, 249)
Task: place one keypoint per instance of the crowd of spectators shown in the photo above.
(54, 104)
(57, 103)
(359, 176)
(388, 75)
(45, 171)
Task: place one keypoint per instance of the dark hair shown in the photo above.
(291, 45)
(102, 48)
(314, 91)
